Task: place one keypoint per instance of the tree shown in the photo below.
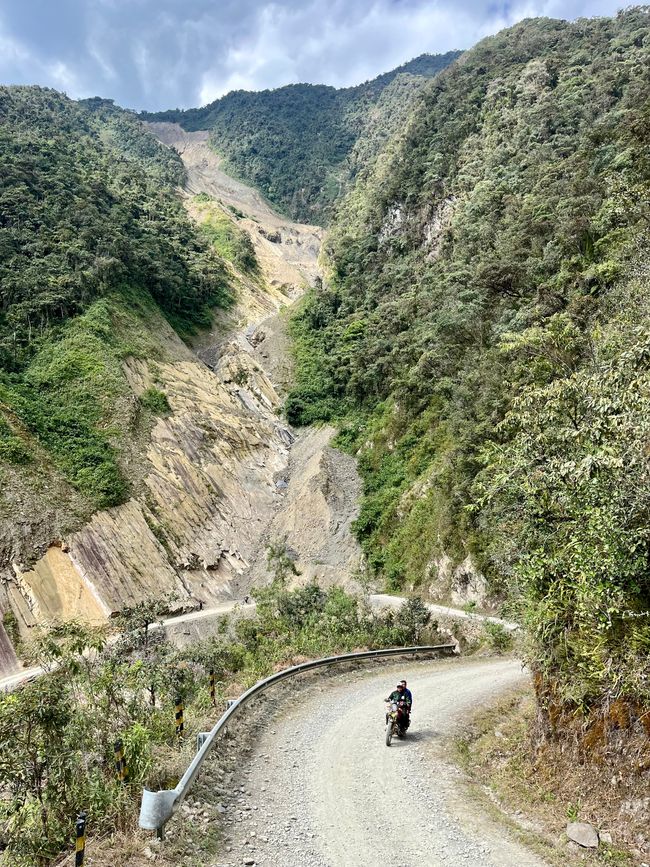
(280, 562)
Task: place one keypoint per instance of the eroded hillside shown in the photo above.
(211, 478)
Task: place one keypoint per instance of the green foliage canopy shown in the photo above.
(298, 143)
(473, 272)
(94, 245)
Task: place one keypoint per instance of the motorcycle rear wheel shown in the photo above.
(389, 733)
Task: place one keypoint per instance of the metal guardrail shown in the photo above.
(158, 807)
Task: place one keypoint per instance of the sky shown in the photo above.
(157, 54)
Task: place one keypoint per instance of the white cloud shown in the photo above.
(11, 52)
(95, 51)
(167, 53)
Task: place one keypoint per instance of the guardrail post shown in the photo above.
(213, 693)
(201, 738)
(120, 763)
(80, 841)
(179, 717)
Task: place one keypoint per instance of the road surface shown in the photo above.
(321, 789)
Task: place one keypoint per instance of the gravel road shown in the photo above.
(321, 789)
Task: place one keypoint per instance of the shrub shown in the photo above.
(497, 637)
(413, 617)
(13, 450)
(155, 401)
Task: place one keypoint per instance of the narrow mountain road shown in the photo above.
(382, 601)
(321, 789)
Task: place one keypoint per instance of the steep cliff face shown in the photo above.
(192, 529)
(481, 337)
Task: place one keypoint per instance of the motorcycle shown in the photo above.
(396, 721)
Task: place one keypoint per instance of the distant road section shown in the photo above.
(383, 600)
(377, 601)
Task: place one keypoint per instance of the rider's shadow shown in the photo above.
(422, 734)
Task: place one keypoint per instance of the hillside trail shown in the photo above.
(319, 787)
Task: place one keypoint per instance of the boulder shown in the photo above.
(583, 834)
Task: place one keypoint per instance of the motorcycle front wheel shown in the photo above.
(389, 733)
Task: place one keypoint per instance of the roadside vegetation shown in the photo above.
(541, 785)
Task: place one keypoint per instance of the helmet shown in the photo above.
(400, 686)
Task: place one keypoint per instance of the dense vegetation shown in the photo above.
(94, 245)
(57, 733)
(294, 142)
(231, 242)
(482, 340)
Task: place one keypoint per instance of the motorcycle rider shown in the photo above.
(399, 697)
(408, 694)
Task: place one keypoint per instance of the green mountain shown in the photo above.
(482, 339)
(95, 248)
(295, 142)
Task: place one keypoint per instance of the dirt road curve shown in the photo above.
(321, 789)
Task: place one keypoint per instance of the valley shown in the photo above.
(295, 373)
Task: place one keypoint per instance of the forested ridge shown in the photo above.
(94, 245)
(482, 340)
(297, 143)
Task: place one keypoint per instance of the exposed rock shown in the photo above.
(216, 472)
(8, 661)
(635, 806)
(194, 527)
(462, 583)
(434, 228)
(392, 223)
(205, 175)
(583, 834)
(440, 570)
(314, 512)
(468, 584)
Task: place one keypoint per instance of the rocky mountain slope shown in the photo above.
(211, 469)
(481, 339)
